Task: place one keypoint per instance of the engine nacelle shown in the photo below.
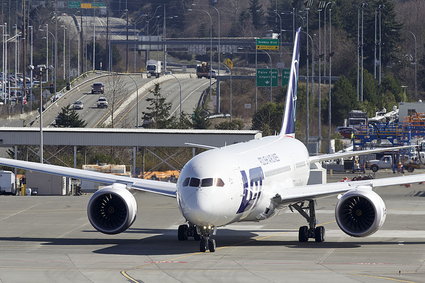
(112, 209)
(360, 212)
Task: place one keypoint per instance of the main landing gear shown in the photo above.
(311, 231)
(201, 234)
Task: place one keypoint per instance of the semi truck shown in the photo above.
(153, 68)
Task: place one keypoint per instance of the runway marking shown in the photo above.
(131, 279)
(14, 214)
(386, 278)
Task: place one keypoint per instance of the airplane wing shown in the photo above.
(325, 157)
(300, 193)
(157, 187)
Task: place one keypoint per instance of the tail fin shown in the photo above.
(288, 125)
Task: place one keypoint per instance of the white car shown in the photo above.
(78, 105)
(102, 102)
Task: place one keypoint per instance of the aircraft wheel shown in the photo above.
(319, 234)
(202, 245)
(182, 232)
(211, 245)
(303, 234)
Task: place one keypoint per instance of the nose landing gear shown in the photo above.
(201, 234)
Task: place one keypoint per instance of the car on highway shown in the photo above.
(78, 105)
(102, 102)
(97, 88)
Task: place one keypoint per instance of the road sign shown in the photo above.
(267, 44)
(264, 79)
(74, 4)
(98, 5)
(285, 76)
(228, 63)
(86, 5)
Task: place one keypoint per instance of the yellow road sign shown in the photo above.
(86, 5)
(228, 63)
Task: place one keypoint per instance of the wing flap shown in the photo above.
(157, 187)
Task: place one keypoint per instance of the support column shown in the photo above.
(75, 156)
(133, 169)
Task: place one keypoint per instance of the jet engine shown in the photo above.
(112, 209)
(360, 212)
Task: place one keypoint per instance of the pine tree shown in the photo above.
(69, 118)
(158, 114)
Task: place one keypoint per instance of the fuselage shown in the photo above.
(238, 182)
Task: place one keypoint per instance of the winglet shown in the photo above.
(288, 124)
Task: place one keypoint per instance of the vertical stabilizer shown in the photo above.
(288, 125)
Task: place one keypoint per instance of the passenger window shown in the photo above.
(208, 182)
(194, 182)
(186, 182)
(219, 182)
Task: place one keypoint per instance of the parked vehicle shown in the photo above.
(7, 183)
(102, 102)
(97, 88)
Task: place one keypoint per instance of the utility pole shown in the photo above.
(126, 43)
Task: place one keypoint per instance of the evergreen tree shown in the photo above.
(200, 119)
(343, 100)
(230, 125)
(257, 13)
(158, 114)
(69, 118)
(268, 119)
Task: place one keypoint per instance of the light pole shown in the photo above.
(330, 75)
(219, 61)
(42, 68)
(64, 52)
(211, 25)
(231, 91)
(380, 44)
(319, 118)
(31, 63)
(416, 66)
(180, 102)
(56, 63)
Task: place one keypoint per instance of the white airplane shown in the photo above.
(248, 181)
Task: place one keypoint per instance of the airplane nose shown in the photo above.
(205, 206)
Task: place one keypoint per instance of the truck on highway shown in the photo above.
(7, 183)
(203, 70)
(153, 68)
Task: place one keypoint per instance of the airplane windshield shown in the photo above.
(206, 182)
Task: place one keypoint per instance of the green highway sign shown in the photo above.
(98, 5)
(285, 76)
(267, 44)
(74, 4)
(265, 79)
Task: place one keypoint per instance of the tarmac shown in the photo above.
(49, 239)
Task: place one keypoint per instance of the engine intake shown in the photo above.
(112, 209)
(360, 212)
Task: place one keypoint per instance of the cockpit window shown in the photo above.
(219, 182)
(194, 182)
(208, 182)
(186, 182)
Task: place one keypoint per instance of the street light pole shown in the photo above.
(416, 65)
(211, 25)
(219, 61)
(64, 52)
